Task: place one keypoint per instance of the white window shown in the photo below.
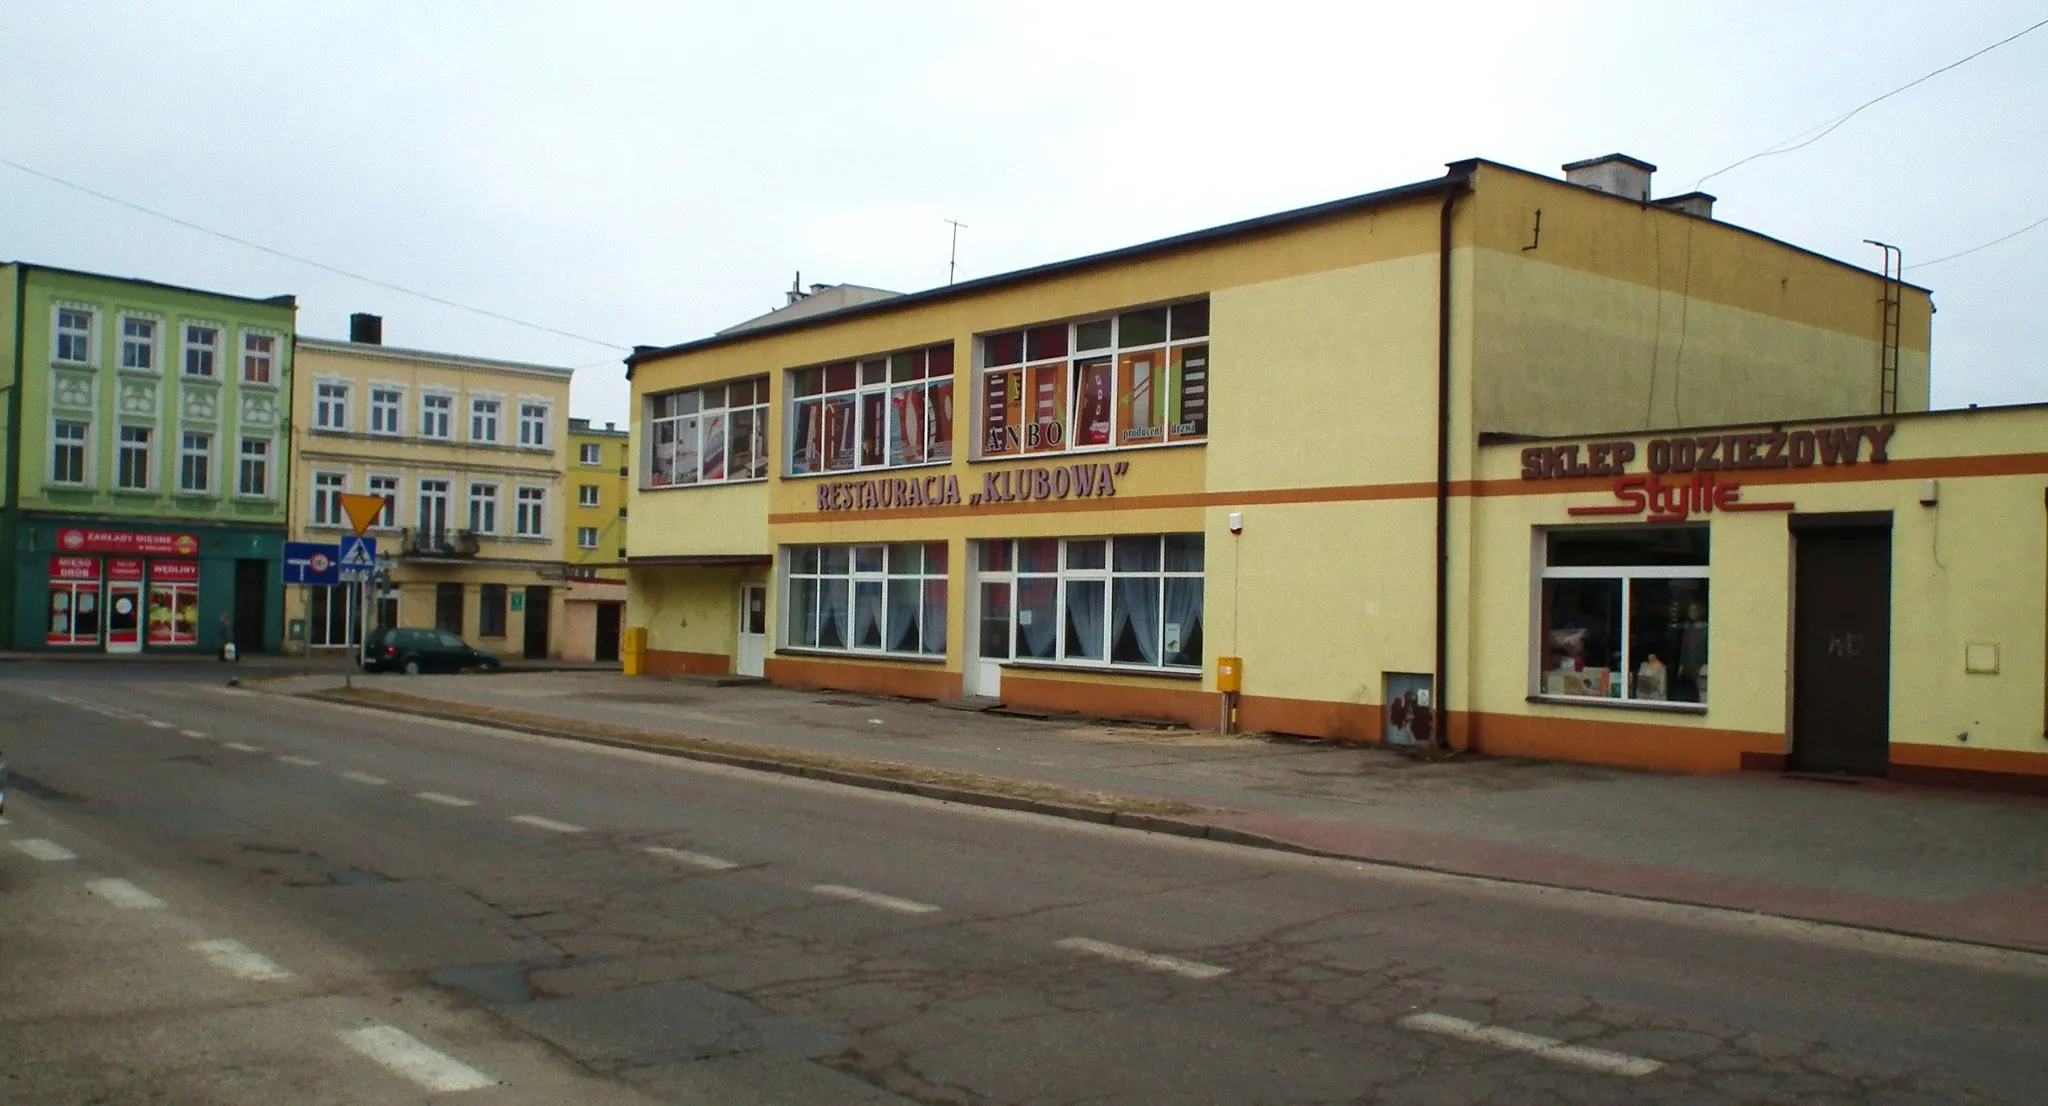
(483, 508)
(74, 336)
(67, 451)
(433, 512)
(137, 448)
(590, 453)
(867, 598)
(386, 488)
(1133, 601)
(195, 461)
(533, 425)
(483, 420)
(202, 344)
(586, 537)
(385, 410)
(330, 405)
(586, 495)
(878, 412)
(138, 344)
(259, 357)
(327, 491)
(531, 504)
(1622, 614)
(708, 435)
(1136, 378)
(253, 479)
(436, 411)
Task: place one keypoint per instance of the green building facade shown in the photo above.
(146, 464)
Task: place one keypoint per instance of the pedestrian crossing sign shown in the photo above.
(358, 558)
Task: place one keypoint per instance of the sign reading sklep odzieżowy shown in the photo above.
(1687, 474)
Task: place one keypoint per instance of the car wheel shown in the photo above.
(412, 666)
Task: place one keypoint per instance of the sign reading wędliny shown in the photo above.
(1012, 485)
(1685, 474)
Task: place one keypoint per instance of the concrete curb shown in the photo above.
(1189, 827)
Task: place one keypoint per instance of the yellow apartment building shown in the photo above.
(1273, 472)
(599, 466)
(469, 455)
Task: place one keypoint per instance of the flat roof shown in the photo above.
(285, 300)
(382, 352)
(1508, 437)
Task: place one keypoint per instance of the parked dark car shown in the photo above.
(415, 651)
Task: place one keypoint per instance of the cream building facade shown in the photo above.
(599, 461)
(469, 454)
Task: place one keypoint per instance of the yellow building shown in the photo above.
(599, 463)
(468, 454)
(1080, 486)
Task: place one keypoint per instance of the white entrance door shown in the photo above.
(988, 639)
(753, 650)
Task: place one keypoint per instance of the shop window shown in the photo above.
(708, 435)
(74, 601)
(867, 598)
(1127, 601)
(490, 610)
(1132, 379)
(886, 411)
(334, 615)
(1623, 614)
(173, 603)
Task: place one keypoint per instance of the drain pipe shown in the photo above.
(1461, 179)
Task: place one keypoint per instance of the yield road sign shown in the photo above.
(311, 565)
(362, 511)
(358, 558)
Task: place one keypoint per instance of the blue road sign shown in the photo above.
(311, 565)
(358, 559)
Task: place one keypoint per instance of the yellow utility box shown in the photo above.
(633, 651)
(1230, 674)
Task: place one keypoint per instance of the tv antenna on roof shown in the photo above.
(953, 256)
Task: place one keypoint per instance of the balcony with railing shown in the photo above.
(438, 543)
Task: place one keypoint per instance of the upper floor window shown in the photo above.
(67, 451)
(202, 343)
(1136, 378)
(386, 488)
(483, 420)
(483, 508)
(259, 355)
(254, 475)
(138, 344)
(533, 425)
(877, 412)
(328, 488)
(586, 537)
(708, 435)
(330, 405)
(74, 335)
(586, 495)
(136, 458)
(385, 415)
(590, 453)
(530, 522)
(195, 461)
(436, 410)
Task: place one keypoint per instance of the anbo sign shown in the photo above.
(1684, 477)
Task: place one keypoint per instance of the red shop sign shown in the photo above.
(128, 541)
(75, 568)
(1676, 501)
(174, 572)
(123, 568)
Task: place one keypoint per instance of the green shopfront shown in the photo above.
(130, 586)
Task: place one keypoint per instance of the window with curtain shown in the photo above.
(1126, 601)
(891, 410)
(887, 599)
(1136, 378)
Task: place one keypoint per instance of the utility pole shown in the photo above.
(953, 256)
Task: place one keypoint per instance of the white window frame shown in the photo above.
(442, 417)
(444, 494)
(589, 495)
(209, 351)
(590, 453)
(59, 334)
(586, 537)
(264, 458)
(530, 501)
(684, 415)
(327, 487)
(875, 379)
(481, 420)
(1167, 385)
(388, 520)
(150, 350)
(331, 411)
(1064, 574)
(121, 451)
(1541, 570)
(535, 414)
(84, 446)
(483, 507)
(387, 419)
(206, 455)
(249, 358)
(807, 566)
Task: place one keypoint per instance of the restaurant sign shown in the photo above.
(1012, 485)
(1689, 475)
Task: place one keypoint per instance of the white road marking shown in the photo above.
(364, 777)
(1191, 969)
(240, 961)
(161, 725)
(874, 899)
(124, 894)
(43, 849)
(239, 747)
(302, 762)
(538, 822)
(404, 1054)
(1596, 1059)
(444, 800)
(192, 733)
(699, 860)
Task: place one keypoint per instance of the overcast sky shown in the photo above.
(649, 173)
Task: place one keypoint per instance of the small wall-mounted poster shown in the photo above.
(1410, 715)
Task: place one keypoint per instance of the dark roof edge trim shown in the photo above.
(701, 560)
(286, 300)
(1490, 438)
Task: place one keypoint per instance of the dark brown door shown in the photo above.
(608, 631)
(252, 615)
(448, 608)
(536, 622)
(1842, 647)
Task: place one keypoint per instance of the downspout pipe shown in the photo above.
(1460, 181)
(10, 498)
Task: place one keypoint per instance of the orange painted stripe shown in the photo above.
(1925, 468)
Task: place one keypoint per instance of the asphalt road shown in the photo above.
(209, 895)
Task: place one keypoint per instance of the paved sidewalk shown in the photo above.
(1953, 865)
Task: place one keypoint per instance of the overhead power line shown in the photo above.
(2043, 220)
(321, 265)
(1801, 140)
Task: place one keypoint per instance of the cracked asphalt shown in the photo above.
(655, 932)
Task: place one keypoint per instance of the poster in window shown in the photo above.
(938, 435)
(874, 428)
(714, 447)
(686, 451)
(662, 465)
(1098, 406)
(840, 430)
(907, 418)
(1191, 414)
(1139, 392)
(1047, 429)
(1002, 399)
(808, 452)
